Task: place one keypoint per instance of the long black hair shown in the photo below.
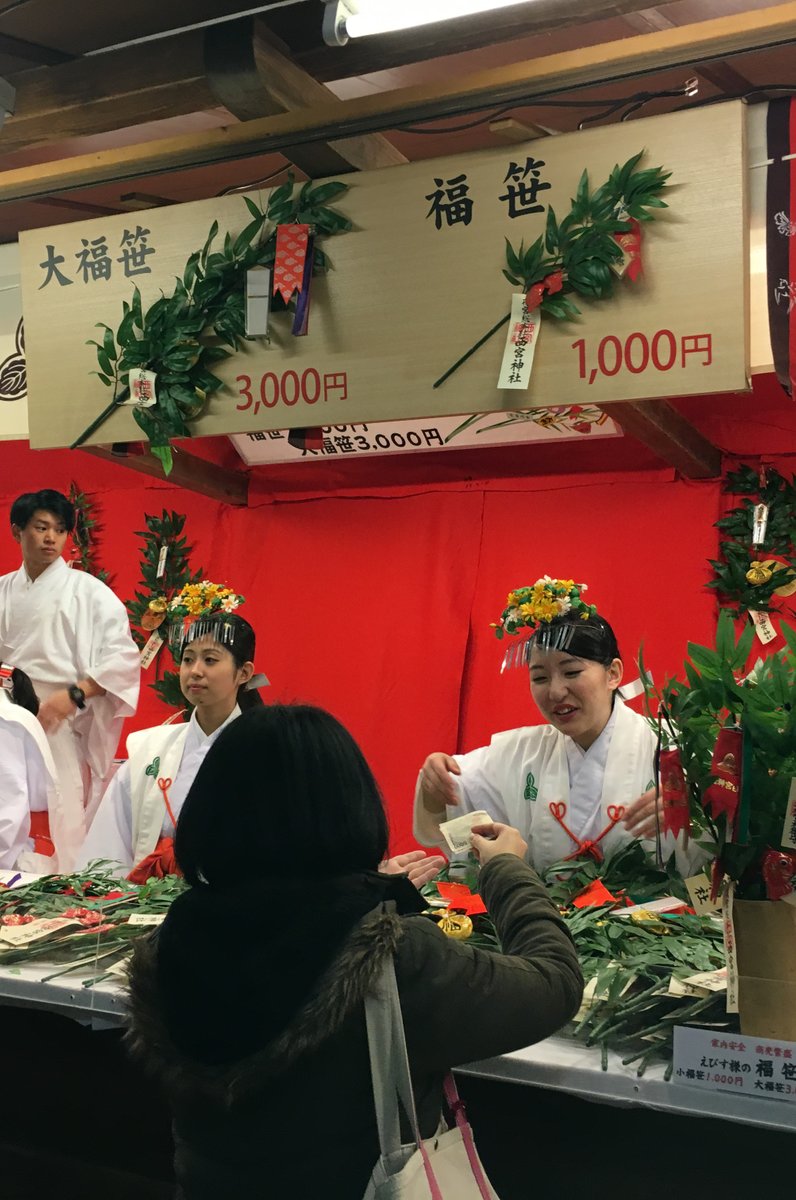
(235, 634)
(22, 692)
(285, 791)
(591, 638)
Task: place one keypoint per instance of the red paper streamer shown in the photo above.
(461, 898)
(291, 254)
(674, 793)
(723, 795)
(595, 895)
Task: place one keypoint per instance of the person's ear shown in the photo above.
(16, 532)
(246, 672)
(615, 672)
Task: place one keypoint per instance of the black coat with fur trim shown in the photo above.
(291, 1115)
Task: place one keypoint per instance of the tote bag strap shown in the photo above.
(389, 1070)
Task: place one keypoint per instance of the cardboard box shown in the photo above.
(765, 933)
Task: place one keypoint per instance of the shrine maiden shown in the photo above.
(70, 634)
(583, 784)
(135, 823)
(30, 803)
(136, 820)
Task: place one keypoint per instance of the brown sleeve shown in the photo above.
(461, 1003)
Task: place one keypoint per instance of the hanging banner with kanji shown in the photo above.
(13, 369)
(416, 281)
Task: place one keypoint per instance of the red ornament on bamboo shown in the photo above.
(724, 793)
(674, 793)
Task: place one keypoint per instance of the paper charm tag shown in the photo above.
(151, 650)
(258, 301)
(146, 919)
(164, 553)
(22, 935)
(759, 524)
(682, 987)
(142, 388)
(711, 981)
(290, 256)
(763, 627)
(729, 949)
(521, 339)
(789, 828)
(699, 889)
(457, 831)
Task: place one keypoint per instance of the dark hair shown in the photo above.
(592, 638)
(235, 634)
(47, 500)
(22, 692)
(284, 791)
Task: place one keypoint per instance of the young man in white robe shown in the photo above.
(583, 784)
(70, 634)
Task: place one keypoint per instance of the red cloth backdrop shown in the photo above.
(378, 606)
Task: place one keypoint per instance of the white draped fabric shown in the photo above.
(60, 627)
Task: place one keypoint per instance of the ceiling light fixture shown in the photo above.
(344, 19)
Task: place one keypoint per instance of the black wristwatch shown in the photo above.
(77, 696)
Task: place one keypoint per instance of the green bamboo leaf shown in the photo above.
(327, 191)
(253, 208)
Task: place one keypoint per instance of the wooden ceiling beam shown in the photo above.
(238, 64)
(666, 432)
(520, 83)
(300, 30)
(195, 474)
(109, 91)
(252, 75)
(31, 52)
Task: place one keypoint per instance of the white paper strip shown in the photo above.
(729, 949)
(789, 827)
(763, 627)
(759, 525)
(521, 339)
(151, 650)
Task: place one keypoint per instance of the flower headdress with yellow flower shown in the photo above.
(529, 608)
(199, 609)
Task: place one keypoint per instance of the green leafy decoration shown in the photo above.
(736, 549)
(85, 533)
(715, 693)
(580, 255)
(583, 246)
(181, 337)
(165, 530)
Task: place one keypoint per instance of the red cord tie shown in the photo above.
(586, 847)
(164, 785)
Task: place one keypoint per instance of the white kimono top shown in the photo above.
(28, 783)
(132, 815)
(522, 772)
(64, 626)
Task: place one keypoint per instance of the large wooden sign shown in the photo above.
(416, 282)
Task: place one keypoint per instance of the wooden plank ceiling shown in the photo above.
(96, 77)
